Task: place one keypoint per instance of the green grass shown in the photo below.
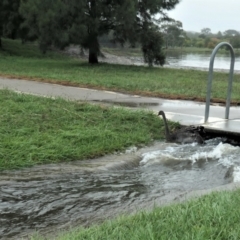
(37, 130)
(31, 50)
(158, 82)
(215, 216)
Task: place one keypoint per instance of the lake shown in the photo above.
(201, 60)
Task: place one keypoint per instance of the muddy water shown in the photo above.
(53, 197)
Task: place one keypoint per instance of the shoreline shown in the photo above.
(105, 57)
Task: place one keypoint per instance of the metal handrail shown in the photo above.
(210, 77)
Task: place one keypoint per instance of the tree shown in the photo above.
(235, 41)
(10, 19)
(47, 21)
(206, 31)
(202, 35)
(152, 43)
(61, 22)
(173, 33)
(233, 36)
(219, 35)
(212, 42)
(231, 33)
(1, 24)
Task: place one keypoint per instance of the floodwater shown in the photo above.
(52, 197)
(174, 59)
(202, 60)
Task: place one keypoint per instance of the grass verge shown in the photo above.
(25, 61)
(37, 130)
(215, 216)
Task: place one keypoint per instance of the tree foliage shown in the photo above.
(173, 33)
(231, 32)
(235, 41)
(10, 19)
(206, 31)
(152, 43)
(61, 22)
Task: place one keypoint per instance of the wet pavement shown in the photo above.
(184, 112)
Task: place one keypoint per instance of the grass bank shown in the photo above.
(36, 130)
(215, 216)
(25, 61)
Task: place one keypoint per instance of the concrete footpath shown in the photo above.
(184, 112)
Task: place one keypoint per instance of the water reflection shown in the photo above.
(222, 61)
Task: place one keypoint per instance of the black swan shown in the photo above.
(184, 135)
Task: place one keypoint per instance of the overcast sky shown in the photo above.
(218, 15)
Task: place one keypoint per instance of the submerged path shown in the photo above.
(184, 112)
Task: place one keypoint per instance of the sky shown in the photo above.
(218, 15)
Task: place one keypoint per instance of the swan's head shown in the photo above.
(160, 113)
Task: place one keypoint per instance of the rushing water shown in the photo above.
(46, 198)
(201, 60)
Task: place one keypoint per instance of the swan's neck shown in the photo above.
(167, 133)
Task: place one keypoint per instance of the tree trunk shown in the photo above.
(93, 57)
(93, 49)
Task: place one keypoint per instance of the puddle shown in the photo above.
(132, 104)
(54, 197)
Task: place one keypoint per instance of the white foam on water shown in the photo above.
(174, 152)
(236, 174)
(156, 157)
(153, 157)
(226, 154)
(132, 149)
(229, 156)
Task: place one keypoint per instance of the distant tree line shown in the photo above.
(174, 36)
(59, 23)
(207, 39)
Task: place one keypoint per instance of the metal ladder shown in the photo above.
(210, 77)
